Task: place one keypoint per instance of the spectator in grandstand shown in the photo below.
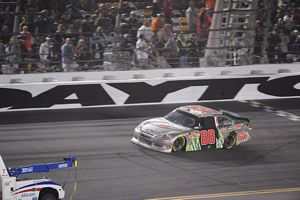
(74, 4)
(155, 8)
(101, 18)
(124, 28)
(5, 34)
(261, 12)
(85, 27)
(203, 23)
(210, 6)
(110, 19)
(127, 44)
(273, 49)
(171, 55)
(279, 26)
(2, 48)
(193, 51)
(158, 44)
(43, 23)
(101, 8)
(2, 54)
(295, 48)
(123, 18)
(98, 53)
(14, 52)
(258, 41)
(25, 22)
(58, 40)
(74, 28)
(167, 10)
(60, 31)
(46, 52)
(134, 22)
(67, 51)
(31, 6)
(88, 5)
(178, 5)
(142, 54)
(191, 16)
(68, 15)
(101, 35)
(288, 22)
(82, 54)
(157, 23)
(295, 15)
(125, 8)
(165, 33)
(293, 36)
(146, 30)
(284, 41)
(5, 18)
(26, 39)
(182, 50)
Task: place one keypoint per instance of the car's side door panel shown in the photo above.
(206, 137)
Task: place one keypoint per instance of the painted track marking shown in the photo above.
(231, 194)
(270, 109)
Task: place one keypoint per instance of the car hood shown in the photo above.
(161, 126)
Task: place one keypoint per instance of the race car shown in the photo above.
(192, 128)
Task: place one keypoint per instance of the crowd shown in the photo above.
(68, 35)
(283, 39)
(77, 33)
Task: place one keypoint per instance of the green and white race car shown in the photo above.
(192, 128)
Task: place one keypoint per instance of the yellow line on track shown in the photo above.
(231, 194)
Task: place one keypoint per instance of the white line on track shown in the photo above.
(231, 194)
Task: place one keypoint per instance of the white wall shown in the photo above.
(151, 74)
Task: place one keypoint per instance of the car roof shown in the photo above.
(199, 111)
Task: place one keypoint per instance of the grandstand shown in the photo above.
(104, 35)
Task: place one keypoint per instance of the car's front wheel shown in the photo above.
(48, 196)
(230, 141)
(179, 143)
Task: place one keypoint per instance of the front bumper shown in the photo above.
(61, 194)
(156, 144)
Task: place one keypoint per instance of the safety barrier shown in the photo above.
(151, 74)
(81, 91)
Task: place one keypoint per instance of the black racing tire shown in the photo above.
(179, 144)
(48, 196)
(230, 141)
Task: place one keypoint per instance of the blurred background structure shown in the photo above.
(93, 35)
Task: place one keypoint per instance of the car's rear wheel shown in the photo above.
(179, 143)
(230, 141)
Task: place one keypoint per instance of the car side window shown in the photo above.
(224, 122)
(198, 124)
(209, 122)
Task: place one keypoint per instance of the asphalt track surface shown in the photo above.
(111, 167)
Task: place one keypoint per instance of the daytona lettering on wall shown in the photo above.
(134, 92)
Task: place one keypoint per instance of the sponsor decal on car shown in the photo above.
(242, 137)
(28, 194)
(194, 134)
(238, 126)
(193, 145)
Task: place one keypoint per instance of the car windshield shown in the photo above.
(181, 118)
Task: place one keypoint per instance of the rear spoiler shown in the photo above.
(234, 116)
